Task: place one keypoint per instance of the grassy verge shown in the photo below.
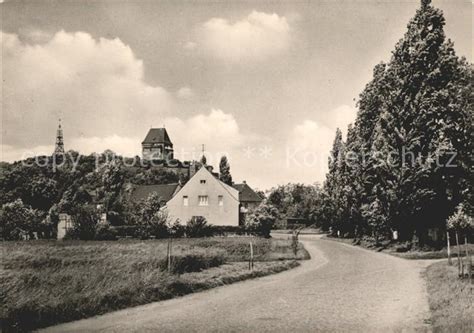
(451, 299)
(47, 282)
(391, 248)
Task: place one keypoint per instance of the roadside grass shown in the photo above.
(391, 248)
(48, 282)
(451, 299)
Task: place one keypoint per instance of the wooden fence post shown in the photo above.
(468, 263)
(449, 248)
(459, 253)
(169, 255)
(251, 257)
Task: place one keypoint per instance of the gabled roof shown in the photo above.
(246, 194)
(229, 189)
(165, 192)
(157, 135)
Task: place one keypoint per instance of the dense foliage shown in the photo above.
(297, 201)
(48, 185)
(224, 171)
(405, 164)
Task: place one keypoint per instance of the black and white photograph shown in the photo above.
(236, 166)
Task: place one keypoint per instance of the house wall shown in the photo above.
(227, 214)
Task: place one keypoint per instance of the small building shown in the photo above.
(205, 195)
(157, 145)
(249, 199)
(64, 224)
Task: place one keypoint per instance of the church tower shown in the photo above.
(59, 148)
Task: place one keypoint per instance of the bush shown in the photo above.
(150, 219)
(196, 261)
(261, 220)
(177, 230)
(126, 231)
(198, 227)
(460, 220)
(84, 223)
(105, 232)
(219, 230)
(18, 221)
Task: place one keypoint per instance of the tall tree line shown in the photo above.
(406, 162)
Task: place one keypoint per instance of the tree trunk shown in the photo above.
(449, 248)
(468, 263)
(459, 253)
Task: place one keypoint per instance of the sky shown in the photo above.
(265, 82)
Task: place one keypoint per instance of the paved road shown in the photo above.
(342, 288)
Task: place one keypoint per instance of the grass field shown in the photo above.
(46, 282)
(451, 299)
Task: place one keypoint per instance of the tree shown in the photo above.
(261, 219)
(18, 220)
(85, 220)
(224, 171)
(203, 160)
(376, 218)
(149, 217)
(414, 116)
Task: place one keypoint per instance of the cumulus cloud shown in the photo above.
(310, 143)
(189, 45)
(11, 154)
(185, 93)
(217, 130)
(96, 86)
(341, 117)
(255, 37)
(125, 146)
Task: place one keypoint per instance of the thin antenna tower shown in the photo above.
(59, 148)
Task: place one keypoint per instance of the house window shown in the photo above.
(203, 200)
(185, 200)
(203, 181)
(220, 199)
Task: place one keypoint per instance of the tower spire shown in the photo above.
(59, 148)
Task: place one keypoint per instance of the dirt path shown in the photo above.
(342, 288)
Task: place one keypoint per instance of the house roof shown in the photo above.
(246, 194)
(165, 192)
(157, 135)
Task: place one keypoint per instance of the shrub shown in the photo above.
(460, 220)
(105, 232)
(150, 219)
(18, 220)
(177, 230)
(198, 227)
(261, 220)
(84, 223)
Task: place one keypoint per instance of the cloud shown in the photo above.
(125, 146)
(310, 143)
(217, 130)
(256, 37)
(96, 86)
(185, 93)
(341, 117)
(11, 154)
(190, 45)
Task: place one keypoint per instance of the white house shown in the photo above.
(205, 195)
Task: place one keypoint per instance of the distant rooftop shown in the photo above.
(157, 135)
(165, 192)
(246, 193)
